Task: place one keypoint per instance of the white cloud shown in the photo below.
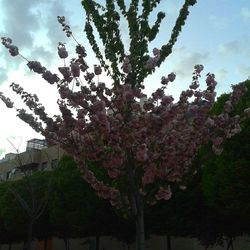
(244, 71)
(245, 13)
(219, 22)
(54, 30)
(221, 74)
(185, 61)
(229, 48)
(35, 32)
(3, 75)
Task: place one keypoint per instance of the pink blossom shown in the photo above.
(217, 141)
(113, 173)
(126, 60)
(209, 96)
(6, 100)
(62, 52)
(158, 94)
(156, 52)
(151, 63)
(66, 28)
(141, 156)
(166, 100)
(163, 194)
(217, 150)
(89, 76)
(80, 50)
(49, 77)
(182, 187)
(228, 106)
(13, 50)
(6, 41)
(157, 55)
(247, 112)
(175, 176)
(149, 175)
(36, 67)
(198, 68)
(238, 91)
(209, 122)
(198, 95)
(210, 80)
(114, 194)
(194, 85)
(114, 202)
(75, 69)
(193, 108)
(101, 86)
(89, 177)
(108, 92)
(61, 19)
(148, 178)
(66, 72)
(126, 67)
(171, 77)
(236, 130)
(148, 105)
(128, 95)
(97, 69)
(164, 80)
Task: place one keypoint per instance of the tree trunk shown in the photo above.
(97, 242)
(66, 243)
(230, 243)
(169, 247)
(29, 236)
(137, 206)
(140, 233)
(45, 244)
(24, 245)
(10, 246)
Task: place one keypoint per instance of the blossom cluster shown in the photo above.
(7, 42)
(152, 61)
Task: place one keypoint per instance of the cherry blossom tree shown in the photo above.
(143, 145)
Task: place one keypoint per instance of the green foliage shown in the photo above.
(218, 105)
(245, 100)
(73, 210)
(243, 103)
(106, 20)
(76, 211)
(225, 178)
(72, 199)
(8, 212)
(14, 217)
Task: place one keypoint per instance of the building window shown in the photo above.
(18, 172)
(3, 176)
(44, 166)
(8, 175)
(54, 163)
(36, 144)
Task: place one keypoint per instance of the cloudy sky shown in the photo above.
(216, 34)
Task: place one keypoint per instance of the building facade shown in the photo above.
(37, 156)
